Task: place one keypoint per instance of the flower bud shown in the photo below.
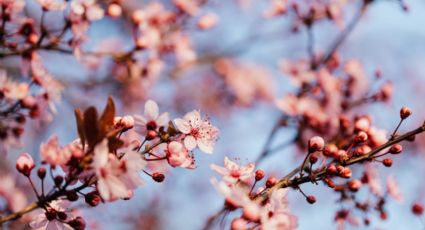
(360, 137)
(330, 150)
(331, 169)
(387, 162)
(362, 124)
(72, 196)
(238, 224)
(271, 182)
(58, 180)
(417, 209)
(354, 185)
(41, 173)
(62, 215)
(311, 199)
(396, 149)
(313, 158)
(405, 112)
(93, 198)
(114, 10)
(78, 223)
(259, 175)
(315, 144)
(25, 164)
(150, 135)
(158, 177)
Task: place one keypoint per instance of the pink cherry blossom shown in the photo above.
(24, 164)
(178, 155)
(207, 21)
(42, 222)
(116, 177)
(233, 172)
(53, 154)
(393, 189)
(197, 132)
(276, 214)
(9, 190)
(52, 4)
(151, 120)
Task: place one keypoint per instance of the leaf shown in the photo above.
(79, 118)
(114, 144)
(91, 127)
(106, 121)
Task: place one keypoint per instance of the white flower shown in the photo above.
(197, 132)
(151, 119)
(116, 178)
(55, 218)
(233, 172)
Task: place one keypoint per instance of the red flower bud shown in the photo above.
(405, 112)
(25, 164)
(158, 177)
(271, 182)
(387, 162)
(396, 149)
(259, 175)
(311, 199)
(417, 209)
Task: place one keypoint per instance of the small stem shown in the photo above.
(396, 129)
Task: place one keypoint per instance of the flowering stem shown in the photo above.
(288, 182)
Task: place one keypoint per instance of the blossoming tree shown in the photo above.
(61, 61)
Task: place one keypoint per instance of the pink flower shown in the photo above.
(197, 132)
(51, 4)
(126, 122)
(316, 143)
(55, 218)
(24, 164)
(52, 153)
(276, 214)
(393, 189)
(188, 6)
(151, 119)
(178, 155)
(116, 177)
(15, 198)
(207, 21)
(234, 195)
(87, 8)
(233, 172)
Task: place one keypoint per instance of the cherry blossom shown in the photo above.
(55, 217)
(233, 172)
(197, 132)
(53, 154)
(178, 155)
(25, 164)
(151, 120)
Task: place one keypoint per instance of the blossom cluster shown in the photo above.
(104, 164)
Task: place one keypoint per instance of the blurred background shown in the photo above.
(241, 103)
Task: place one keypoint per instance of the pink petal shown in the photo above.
(182, 125)
(151, 110)
(190, 142)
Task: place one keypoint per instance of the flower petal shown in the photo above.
(151, 110)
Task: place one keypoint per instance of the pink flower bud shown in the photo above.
(315, 144)
(238, 224)
(362, 124)
(396, 149)
(176, 153)
(361, 137)
(354, 185)
(405, 112)
(207, 21)
(24, 164)
(114, 10)
(251, 212)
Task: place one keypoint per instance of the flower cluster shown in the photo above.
(237, 186)
(105, 163)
